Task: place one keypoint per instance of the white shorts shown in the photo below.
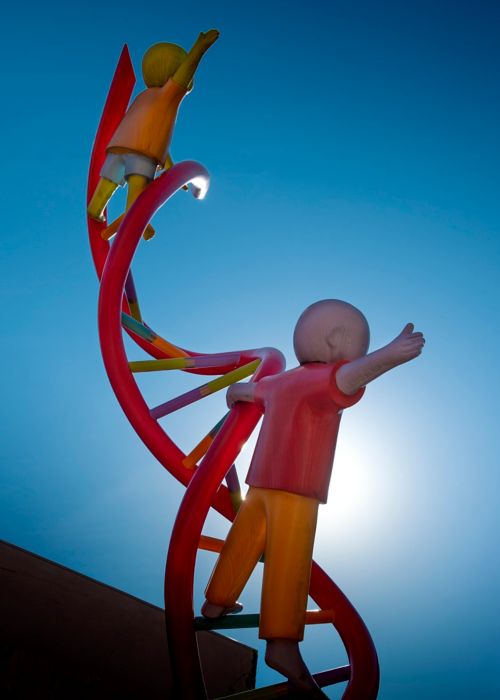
(119, 166)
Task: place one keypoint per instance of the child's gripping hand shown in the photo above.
(231, 395)
(407, 345)
(242, 391)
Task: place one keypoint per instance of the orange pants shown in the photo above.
(281, 525)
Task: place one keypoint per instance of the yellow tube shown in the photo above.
(230, 378)
(158, 365)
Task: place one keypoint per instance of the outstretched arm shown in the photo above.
(184, 74)
(405, 347)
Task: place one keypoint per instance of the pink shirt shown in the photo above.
(296, 444)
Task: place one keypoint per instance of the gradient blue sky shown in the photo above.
(354, 151)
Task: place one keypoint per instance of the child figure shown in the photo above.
(290, 473)
(141, 141)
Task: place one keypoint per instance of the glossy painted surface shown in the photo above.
(204, 491)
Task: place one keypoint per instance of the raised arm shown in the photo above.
(185, 73)
(405, 347)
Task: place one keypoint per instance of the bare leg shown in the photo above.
(284, 656)
(136, 184)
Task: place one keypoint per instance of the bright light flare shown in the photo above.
(199, 187)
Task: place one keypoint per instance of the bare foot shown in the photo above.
(284, 656)
(149, 232)
(213, 611)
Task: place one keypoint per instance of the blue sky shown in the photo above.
(354, 150)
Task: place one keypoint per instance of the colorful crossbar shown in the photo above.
(282, 690)
(191, 459)
(187, 362)
(132, 299)
(205, 390)
(150, 336)
(233, 484)
(236, 622)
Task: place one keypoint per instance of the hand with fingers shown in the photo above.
(209, 38)
(240, 392)
(407, 345)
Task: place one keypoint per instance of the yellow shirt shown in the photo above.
(147, 126)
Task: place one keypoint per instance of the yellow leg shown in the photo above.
(282, 525)
(291, 526)
(136, 185)
(103, 193)
(242, 549)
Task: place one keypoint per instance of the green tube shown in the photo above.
(138, 328)
(227, 622)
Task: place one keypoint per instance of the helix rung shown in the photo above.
(191, 460)
(210, 544)
(132, 299)
(188, 362)
(227, 622)
(201, 448)
(160, 365)
(282, 690)
(144, 332)
(319, 617)
(205, 390)
(234, 622)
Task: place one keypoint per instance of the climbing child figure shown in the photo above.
(290, 473)
(141, 142)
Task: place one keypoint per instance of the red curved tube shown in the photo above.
(179, 571)
(113, 279)
(204, 489)
(115, 107)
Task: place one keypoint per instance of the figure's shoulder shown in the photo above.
(173, 89)
(314, 377)
(160, 95)
(309, 370)
(306, 375)
(314, 381)
(303, 375)
(145, 96)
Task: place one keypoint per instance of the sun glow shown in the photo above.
(349, 487)
(358, 487)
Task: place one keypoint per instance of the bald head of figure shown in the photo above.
(329, 331)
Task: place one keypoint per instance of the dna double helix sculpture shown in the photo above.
(211, 460)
